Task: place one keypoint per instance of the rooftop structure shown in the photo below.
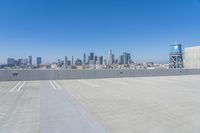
(176, 56)
(192, 57)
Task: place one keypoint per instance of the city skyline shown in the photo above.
(53, 30)
(87, 58)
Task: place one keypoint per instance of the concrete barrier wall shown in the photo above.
(24, 75)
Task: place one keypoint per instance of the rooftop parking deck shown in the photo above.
(168, 104)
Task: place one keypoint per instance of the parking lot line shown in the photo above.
(88, 83)
(21, 86)
(52, 85)
(116, 82)
(15, 86)
(58, 86)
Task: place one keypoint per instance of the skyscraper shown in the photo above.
(26, 61)
(72, 60)
(30, 60)
(100, 60)
(78, 62)
(66, 61)
(20, 62)
(113, 58)
(84, 58)
(110, 58)
(95, 59)
(91, 56)
(11, 62)
(120, 60)
(126, 58)
(39, 60)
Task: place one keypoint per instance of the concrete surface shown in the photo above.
(168, 104)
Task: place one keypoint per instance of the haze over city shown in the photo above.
(53, 30)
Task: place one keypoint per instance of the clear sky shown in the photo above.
(55, 28)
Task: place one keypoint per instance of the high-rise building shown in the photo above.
(26, 61)
(120, 60)
(11, 62)
(84, 58)
(78, 62)
(91, 56)
(20, 62)
(88, 60)
(110, 57)
(126, 58)
(113, 58)
(30, 60)
(66, 60)
(72, 60)
(39, 60)
(100, 60)
(95, 59)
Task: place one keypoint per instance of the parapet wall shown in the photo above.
(25, 75)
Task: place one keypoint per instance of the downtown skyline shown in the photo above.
(87, 58)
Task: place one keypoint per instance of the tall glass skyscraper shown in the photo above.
(39, 60)
(126, 58)
(30, 60)
(66, 61)
(91, 56)
(84, 58)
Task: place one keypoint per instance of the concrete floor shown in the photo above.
(124, 105)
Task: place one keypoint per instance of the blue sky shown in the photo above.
(55, 28)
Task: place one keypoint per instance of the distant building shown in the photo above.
(91, 56)
(78, 62)
(30, 60)
(110, 57)
(192, 57)
(120, 60)
(20, 62)
(39, 61)
(101, 60)
(84, 58)
(69, 63)
(88, 60)
(126, 58)
(95, 59)
(11, 62)
(66, 60)
(26, 61)
(72, 60)
(113, 59)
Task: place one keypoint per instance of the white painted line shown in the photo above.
(161, 80)
(52, 85)
(58, 86)
(21, 86)
(116, 82)
(88, 83)
(143, 81)
(15, 87)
